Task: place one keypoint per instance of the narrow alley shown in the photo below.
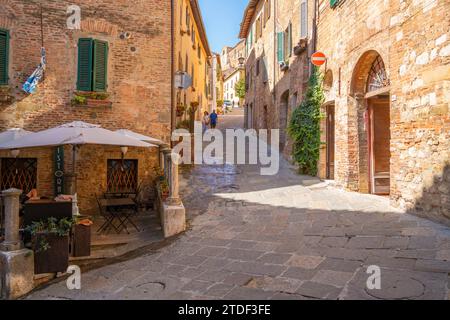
(278, 237)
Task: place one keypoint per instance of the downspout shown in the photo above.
(314, 36)
(275, 52)
(172, 70)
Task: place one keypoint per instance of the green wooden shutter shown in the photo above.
(100, 65)
(4, 56)
(85, 47)
(333, 3)
(280, 50)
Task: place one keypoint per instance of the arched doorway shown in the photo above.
(284, 106)
(370, 86)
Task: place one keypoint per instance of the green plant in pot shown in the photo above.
(181, 108)
(50, 240)
(164, 187)
(194, 106)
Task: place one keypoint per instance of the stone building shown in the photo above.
(230, 55)
(387, 82)
(114, 69)
(192, 55)
(231, 78)
(277, 37)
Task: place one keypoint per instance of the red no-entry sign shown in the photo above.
(318, 58)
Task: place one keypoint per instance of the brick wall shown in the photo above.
(139, 77)
(412, 38)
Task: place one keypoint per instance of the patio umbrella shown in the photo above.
(12, 135)
(138, 136)
(75, 133)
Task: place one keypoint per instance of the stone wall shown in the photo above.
(412, 38)
(139, 78)
(273, 101)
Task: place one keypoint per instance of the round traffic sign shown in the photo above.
(318, 58)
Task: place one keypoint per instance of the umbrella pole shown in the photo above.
(75, 209)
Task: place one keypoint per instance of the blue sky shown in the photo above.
(222, 19)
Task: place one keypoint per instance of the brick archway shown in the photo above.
(359, 144)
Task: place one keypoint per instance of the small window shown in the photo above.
(92, 65)
(122, 175)
(304, 19)
(334, 3)
(4, 56)
(19, 173)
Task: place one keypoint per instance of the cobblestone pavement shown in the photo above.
(282, 237)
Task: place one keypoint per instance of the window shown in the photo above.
(258, 29)
(257, 67)
(199, 52)
(304, 19)
(267, 10)
(188, 19)
(122, 175)
(19, 173)
(377, 76)
(4, 56)
(92, 65)
(187, 63)
(288, 42)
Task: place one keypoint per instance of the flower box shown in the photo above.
(51, 253)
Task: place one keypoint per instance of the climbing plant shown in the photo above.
(304, 126)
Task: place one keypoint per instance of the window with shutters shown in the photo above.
(4, 56)
(92, 65)
(304, 19)
(122, 175)
(19, 173)
(258, 29)
(334, 3)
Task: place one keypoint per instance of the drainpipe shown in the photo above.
(275, 52)
(314, 36)
(172, 70)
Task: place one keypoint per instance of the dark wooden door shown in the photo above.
(379, 146)
(331, 141)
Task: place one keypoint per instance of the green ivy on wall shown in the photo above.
(304, 126)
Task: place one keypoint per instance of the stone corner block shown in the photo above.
(16, 273)
(173, 219)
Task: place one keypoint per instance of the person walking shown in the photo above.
(205, 121)
(213, 119)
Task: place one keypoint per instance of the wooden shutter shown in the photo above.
(4, 56)
(333, 3)
(280, 50)
(100, 65)
(85, 47)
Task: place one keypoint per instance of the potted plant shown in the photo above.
(50, 241)
(159, 173)
(91, 99)
(181, 108)
(165, 190)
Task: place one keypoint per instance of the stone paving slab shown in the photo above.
(282, 237)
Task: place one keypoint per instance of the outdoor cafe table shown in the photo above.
(120, 209)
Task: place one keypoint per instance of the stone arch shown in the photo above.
(99, 26)
(328, 80)
(361, 72)
(359, 176)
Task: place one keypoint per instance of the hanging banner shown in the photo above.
(59, 170)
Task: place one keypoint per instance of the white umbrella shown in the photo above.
(75, 133)
(12, 135)
(141, 137)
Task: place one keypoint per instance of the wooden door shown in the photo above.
(379, 146)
